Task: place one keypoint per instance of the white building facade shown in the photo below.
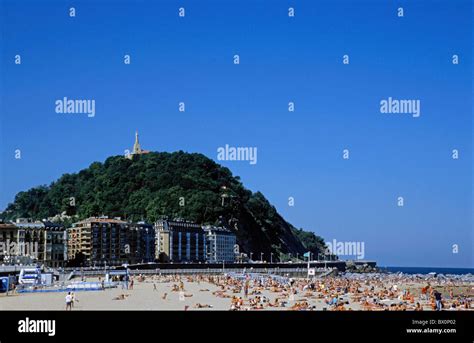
(220, 244)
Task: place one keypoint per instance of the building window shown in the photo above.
(197, 246)
(179, 245)
(188, 246)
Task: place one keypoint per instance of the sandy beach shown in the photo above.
(262, 293)
(142, 297)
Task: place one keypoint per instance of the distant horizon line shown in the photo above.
(419, 267)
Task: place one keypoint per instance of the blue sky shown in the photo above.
(282, 59)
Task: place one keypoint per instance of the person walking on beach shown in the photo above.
(73, 299)
(438, 299)
(68, 301)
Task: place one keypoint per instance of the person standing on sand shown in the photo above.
(438, 299)
(424, 292)
(73, 299)
(68, 301)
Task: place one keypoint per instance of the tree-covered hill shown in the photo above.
(175, 185)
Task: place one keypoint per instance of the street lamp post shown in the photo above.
(271, 257)
(251, 253)
(261, 257)
(309, 260)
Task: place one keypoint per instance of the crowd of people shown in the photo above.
(376, 293)
(370, 292)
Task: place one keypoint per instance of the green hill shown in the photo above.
(154, 185)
